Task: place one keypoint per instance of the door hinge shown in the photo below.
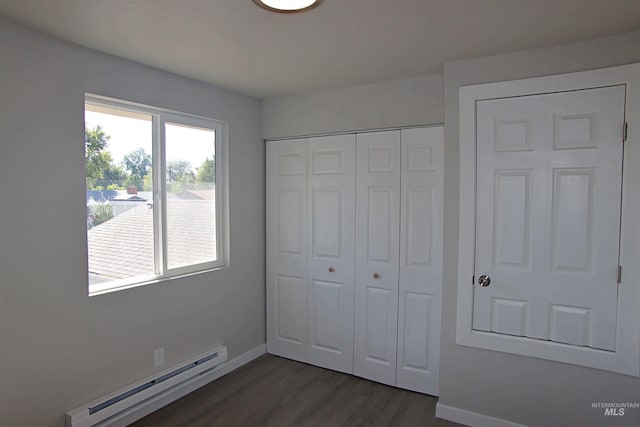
(625, 128)
(473, 280)
(619, 274)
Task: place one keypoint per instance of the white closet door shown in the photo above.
(331, 236)
(287, 248)
(549, 178)
(377, 249)
(420, 259)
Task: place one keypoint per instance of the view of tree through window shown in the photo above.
(140, 227)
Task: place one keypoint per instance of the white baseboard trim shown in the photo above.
(469, 418)
(163, 399)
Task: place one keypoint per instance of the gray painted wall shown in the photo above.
(520, 389)
(398, 103)
(526, 390)
(59, 348)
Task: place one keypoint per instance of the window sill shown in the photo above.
(549, 350)
(120, 285)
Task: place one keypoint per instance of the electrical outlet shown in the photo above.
(158, 357)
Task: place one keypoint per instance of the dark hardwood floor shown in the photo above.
(272, 391)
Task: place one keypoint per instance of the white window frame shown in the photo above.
(160, 117)
(626, 357)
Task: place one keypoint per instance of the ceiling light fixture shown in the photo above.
(288, 6)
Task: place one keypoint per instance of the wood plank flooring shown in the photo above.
(272, 391)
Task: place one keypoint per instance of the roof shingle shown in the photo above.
(123, 246)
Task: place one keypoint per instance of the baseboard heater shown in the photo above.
(106, 410)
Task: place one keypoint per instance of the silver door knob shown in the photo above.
(484, 280)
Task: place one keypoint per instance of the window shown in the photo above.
(155, 194)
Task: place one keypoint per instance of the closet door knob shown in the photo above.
(331, 269)
(484, 280)
(376, 276)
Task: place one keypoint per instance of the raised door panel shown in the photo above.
(289, 308)
(512, 222)
(326, 314)
(287, 248)
(549, 177)
(420, 286)
(331, 207)
(378, 305)
(416, 317)
(377, 255)
(289, 230)
(327, 221)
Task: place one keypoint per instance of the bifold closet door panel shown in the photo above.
(287, 248)
(420, 259)
(377, 255)
(331, 251)
(354, 253)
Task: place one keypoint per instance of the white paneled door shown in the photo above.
(331, 247)
(354, 253)
(549, 177)
(287, 248)
(420, 259)
(377, 255)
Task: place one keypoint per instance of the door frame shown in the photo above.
(626, 357)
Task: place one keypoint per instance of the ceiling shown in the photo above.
(235, 44)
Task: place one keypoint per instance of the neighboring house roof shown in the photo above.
(123, 247)
(128, 198)
(204, 193)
